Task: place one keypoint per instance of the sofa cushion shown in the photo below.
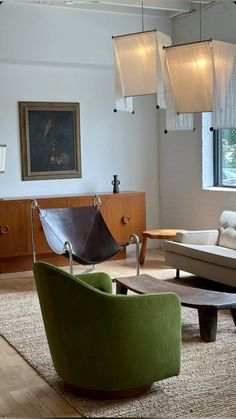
(210, 237)
(227, 237)
(217, 255)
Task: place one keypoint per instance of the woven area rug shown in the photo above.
(205, 387)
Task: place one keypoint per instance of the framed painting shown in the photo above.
(50, 140)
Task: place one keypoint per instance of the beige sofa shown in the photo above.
(210, 254)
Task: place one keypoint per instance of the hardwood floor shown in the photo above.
(23, 393)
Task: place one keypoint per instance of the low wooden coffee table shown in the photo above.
(161, 234)
(207, 302)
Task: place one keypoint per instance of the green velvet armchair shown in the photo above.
(106, 345)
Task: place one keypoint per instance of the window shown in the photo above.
(225, 157)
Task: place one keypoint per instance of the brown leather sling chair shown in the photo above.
(79, 233)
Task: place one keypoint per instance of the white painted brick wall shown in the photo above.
(183, 202)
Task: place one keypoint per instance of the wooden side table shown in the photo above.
(161, 234)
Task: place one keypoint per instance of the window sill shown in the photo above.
(220, 189)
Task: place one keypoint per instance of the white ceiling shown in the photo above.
(169, 8)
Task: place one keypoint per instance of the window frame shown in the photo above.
(218, 160)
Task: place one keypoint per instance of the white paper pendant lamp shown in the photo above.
(136, 63)
(190, 68)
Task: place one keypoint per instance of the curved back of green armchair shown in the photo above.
(100, 341)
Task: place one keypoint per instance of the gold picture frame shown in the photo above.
(50, 140)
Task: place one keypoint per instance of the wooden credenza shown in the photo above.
(124, 213)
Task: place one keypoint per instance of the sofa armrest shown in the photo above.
(210, 237)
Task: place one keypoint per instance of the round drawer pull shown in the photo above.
(4, 229)
(126, 219)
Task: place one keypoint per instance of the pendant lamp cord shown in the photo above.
(142, 18)
(200, 18)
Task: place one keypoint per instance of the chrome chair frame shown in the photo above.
(133, 239)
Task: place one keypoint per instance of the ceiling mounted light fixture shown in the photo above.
(190, 68)
(201, 77)
(135, 61)
(139, 64)
(136, 64)
(140, 70)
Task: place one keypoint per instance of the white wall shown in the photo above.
(59, 54)
(183, 201)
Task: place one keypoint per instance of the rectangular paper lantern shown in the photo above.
(136, 63)
(190, 68)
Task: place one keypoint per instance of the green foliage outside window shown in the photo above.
(225, 163)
